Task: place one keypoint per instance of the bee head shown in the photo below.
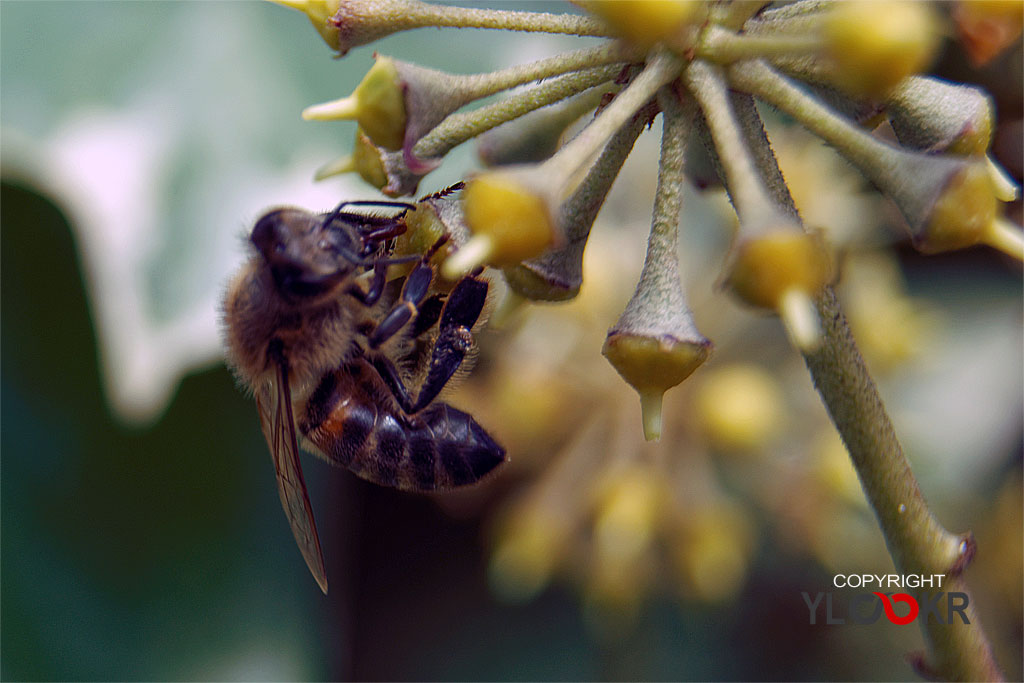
(306, 258)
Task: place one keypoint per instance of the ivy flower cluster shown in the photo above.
(839, 69)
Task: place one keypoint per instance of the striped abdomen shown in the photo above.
(353, 420)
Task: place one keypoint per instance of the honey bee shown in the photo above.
(325, 343)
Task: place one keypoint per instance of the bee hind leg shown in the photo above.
(455, 338)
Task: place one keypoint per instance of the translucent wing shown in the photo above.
(275, 407)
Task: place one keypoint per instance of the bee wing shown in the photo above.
(275, 408)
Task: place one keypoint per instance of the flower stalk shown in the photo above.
(345, 24)
(655, 344)
(774, 263)
(536, 136)
(458, 128)
(722, 46)
(510, 210)
(916, 540)
(426, 96)
(557, 274)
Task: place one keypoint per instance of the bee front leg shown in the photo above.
(371, 295)
(414, 291)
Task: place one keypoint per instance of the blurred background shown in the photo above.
(142, 536)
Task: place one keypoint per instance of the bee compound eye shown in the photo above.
(264, 233)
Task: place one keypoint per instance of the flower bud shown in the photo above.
(557, 274)
(526, 554)
(511, 216)
(712, 548)
(377, 104)
(436, 216)
(740, 407)
(948, 202)
(782, 268)
(653, 365)
(647, 22)
(875, 45)
(934, 116)
(966, 213)
(630, 501)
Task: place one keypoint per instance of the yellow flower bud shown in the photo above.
(962, 213)
(740, 407)
(629, 505)
(509, 220)
(653, 366)
(377, 104)
(967, 213)
(875, 45)
(771, 264)
(712, 550)
(783, 269)
(527, 552)
(647, 22)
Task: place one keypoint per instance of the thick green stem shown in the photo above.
(916, 540)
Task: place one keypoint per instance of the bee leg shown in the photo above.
(414, 291)
(371, 295)
(454, 339)
(429, 314)
(357, 218)
(387, 371)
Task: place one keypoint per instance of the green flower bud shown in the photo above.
(377, 104)
(934, 116)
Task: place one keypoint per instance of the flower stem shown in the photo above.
(458, 128)
(508, 20)
(760, 80)
(746, 185)
(660, 69)
(721, 46)
(916, 540)
(477, 86)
